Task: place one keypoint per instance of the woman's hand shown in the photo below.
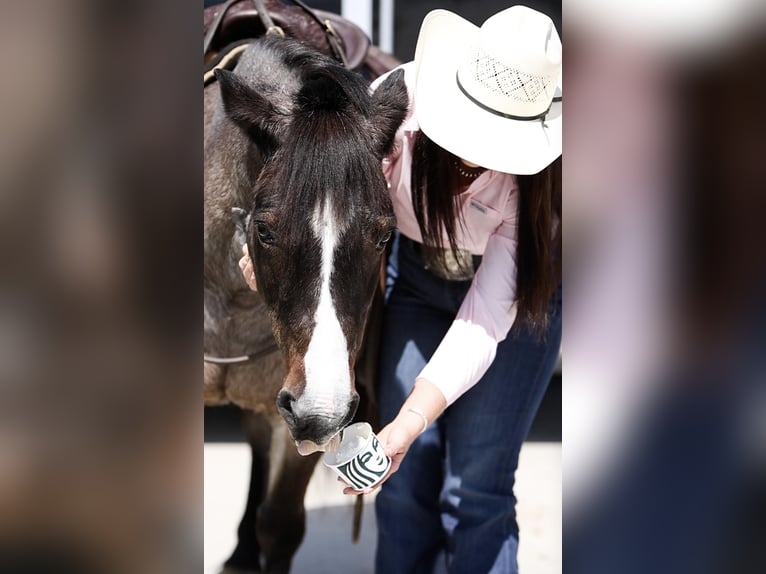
(424, 405)
(246, 265)
(396, 439)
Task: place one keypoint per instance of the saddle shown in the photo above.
(230, 26)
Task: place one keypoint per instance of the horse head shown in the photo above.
(318, 227)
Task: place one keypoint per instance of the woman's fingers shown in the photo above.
(246, 266)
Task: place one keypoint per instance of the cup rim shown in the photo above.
(337, 462)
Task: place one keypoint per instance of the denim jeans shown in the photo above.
(451, 507)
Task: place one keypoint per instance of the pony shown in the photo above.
(295, 141)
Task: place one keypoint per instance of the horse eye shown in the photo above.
(383, 240)
(264, 234)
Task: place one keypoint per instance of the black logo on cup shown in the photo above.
(366, 469)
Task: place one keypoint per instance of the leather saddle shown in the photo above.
(236, 21)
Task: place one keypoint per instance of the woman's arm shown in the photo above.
(484, 319)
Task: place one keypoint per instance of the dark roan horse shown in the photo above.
(297, 141)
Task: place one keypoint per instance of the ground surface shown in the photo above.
(327, 548)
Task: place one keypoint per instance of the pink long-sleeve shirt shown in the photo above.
(490, 210)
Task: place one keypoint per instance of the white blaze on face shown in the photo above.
(328, 383)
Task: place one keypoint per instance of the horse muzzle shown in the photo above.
(312, 422)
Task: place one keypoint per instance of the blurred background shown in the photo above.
(663, 398)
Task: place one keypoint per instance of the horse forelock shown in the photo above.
(326, 155)
(326, 146)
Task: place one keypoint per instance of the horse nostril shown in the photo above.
(285, 401)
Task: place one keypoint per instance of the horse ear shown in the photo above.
(389, 103)
(248, 109)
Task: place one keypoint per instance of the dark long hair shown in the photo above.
(435, 204)
(538, 254)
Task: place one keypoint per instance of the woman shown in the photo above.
(473, 307)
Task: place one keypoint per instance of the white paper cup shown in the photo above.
(360, 460)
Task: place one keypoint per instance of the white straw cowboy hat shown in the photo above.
(491, 95)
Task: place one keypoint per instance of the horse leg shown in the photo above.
(247, 555)
(281, 520)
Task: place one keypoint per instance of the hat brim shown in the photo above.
(458, 125)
